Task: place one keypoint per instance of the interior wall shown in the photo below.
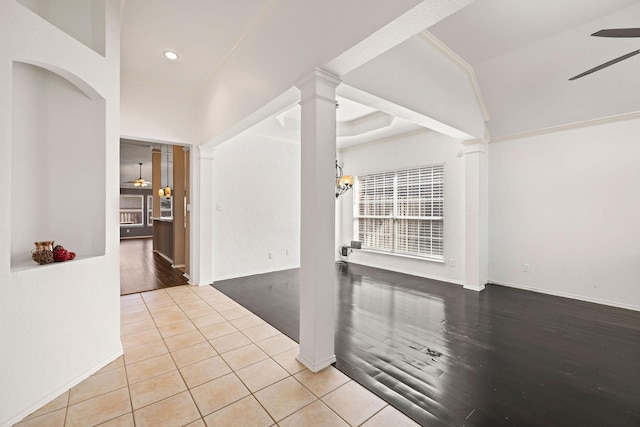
(256, 206)
(59, 323)
(417, 149)
(64, 14)
(567, 205)
(152, 112)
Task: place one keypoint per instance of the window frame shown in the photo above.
(405, 244)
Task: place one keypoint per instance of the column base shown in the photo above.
(474, 287)
(318, 366)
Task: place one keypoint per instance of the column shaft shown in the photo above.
(317, 245)
(476, 215)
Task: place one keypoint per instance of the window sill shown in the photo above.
(399, 255)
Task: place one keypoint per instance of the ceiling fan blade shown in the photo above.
(618, 32)
(606, 64)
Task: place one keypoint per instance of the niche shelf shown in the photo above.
(57, 165)
(84, 20)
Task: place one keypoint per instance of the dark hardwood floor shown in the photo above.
(143, 270)
(446, 356)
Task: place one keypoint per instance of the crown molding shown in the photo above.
(434, 42)
(569, 126)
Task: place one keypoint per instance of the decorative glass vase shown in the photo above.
(43, 253)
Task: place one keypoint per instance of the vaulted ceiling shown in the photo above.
(522, 52)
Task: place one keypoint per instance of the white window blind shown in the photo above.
(401, 211)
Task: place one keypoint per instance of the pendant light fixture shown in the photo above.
(166, 192)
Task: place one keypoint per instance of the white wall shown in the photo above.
(152, 112)
(256, 206)
(59, 323)
(419, 149)
(567, 203)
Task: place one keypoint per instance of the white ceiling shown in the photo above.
(524, 52)
(489, 28)
(487, 34)
(203, 32)
(356, 124)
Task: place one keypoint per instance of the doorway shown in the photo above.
(154, 228)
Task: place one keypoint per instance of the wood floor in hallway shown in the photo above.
(143, 270)
(446, 356)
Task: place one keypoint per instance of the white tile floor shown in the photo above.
(193, 357)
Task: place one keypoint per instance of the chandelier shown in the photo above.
(343, 182)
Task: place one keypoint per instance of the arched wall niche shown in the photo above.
(81, 19)
(58, 169)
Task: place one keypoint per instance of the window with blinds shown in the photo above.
(401, 211)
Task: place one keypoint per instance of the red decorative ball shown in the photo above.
(60, 254)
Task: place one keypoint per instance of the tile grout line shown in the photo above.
(176, 365)
(232, 371)
(217, 354)
(289, 375)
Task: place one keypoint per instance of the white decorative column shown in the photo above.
(202, 217)
(476, 215)
(317, 242)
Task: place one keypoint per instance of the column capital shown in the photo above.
(318, 85)
(205, 152)
(321, 76)
(475, 146)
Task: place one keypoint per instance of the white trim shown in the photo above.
(236, 276)
(411, 273)
(401, 254)
(568, 126)
(433, 41)
(57, 392)
(316, 367)
(566, 295)
(479, 288)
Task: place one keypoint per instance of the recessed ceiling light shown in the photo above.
(171, 55)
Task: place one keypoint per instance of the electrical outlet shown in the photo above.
(219, 207)
(452, 262)
(287, 251)
(270, 255)
(526, 268)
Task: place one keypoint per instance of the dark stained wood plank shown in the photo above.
(143, 270)
(446, 356)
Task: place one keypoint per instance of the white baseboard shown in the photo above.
(566, 295)
(57, 392)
